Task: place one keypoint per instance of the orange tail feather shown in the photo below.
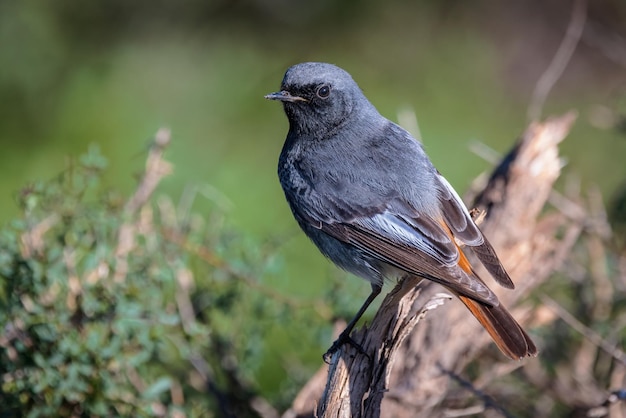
(508, 335)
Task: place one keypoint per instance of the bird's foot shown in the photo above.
(344, 338)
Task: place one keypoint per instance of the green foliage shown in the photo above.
(109, 312)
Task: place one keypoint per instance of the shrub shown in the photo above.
(101, 310)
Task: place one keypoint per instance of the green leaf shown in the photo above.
(161, 385)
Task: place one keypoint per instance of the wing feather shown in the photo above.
(408, 246)
(463, 227)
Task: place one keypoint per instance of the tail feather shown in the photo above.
(508, 335)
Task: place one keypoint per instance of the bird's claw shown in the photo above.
(343, 338)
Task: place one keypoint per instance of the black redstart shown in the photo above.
(364, 191)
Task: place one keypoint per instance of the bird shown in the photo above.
(367, 195)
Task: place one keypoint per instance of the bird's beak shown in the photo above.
(285, 96)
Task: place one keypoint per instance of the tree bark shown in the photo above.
(412, 353)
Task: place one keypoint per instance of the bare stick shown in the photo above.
(560, 60)
(587, 332)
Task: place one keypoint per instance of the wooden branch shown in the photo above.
(404, 373)
(359, 382)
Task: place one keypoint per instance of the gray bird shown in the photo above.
(365, 192)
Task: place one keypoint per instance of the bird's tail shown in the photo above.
(508, 335)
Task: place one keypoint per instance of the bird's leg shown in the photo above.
(344, 337)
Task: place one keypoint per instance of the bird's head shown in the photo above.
(318, 98)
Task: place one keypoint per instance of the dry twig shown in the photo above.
(560, 60)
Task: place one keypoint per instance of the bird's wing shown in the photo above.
(465, 230)
(418, 245)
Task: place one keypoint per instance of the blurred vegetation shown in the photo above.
(104, 315)
(112, 72)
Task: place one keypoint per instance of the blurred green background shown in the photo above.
(112, 72)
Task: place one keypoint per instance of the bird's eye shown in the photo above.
(323, 91)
